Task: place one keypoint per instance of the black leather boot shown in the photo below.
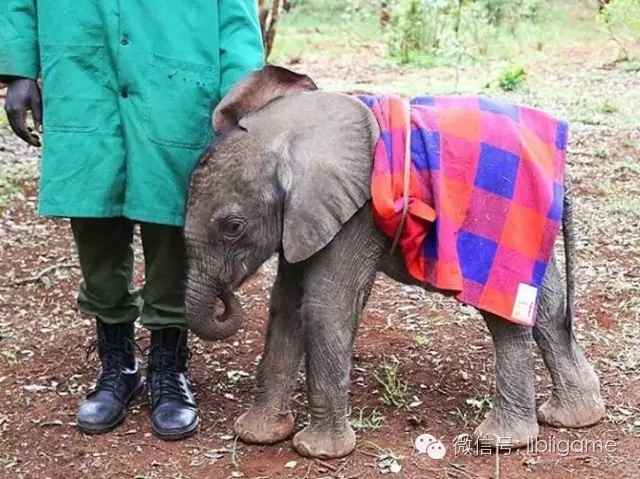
(119, 382)
(173, 407)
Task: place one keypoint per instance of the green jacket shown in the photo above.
(128, 93)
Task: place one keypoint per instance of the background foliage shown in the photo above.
(431, 33)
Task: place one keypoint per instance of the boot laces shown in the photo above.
(115, 360)
(167, 367)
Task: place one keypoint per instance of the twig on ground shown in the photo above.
(370, 454)
(464, 472)
(44, 272)
(234, 453)
(155, 446)
(344, 464)
(582, 153)
(425, 468)
(327, 465)
(581, 457)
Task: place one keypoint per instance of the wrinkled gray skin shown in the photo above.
(290, 174)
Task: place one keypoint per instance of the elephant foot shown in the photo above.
(573, 407)
(324, 443)
(502, 431)
(262, 426)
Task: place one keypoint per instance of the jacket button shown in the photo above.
(124, 93)
(124, 42)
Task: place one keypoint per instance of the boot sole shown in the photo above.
(177, 435)
(95, 429)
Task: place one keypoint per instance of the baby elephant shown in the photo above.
(292, 172)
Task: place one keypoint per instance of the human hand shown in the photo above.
(23, 94)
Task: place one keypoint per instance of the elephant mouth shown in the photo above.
(237, 284)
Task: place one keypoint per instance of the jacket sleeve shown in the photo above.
(19, 53)
(241, 49)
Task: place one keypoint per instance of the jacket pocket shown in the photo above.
(74, 87)
(180, 97)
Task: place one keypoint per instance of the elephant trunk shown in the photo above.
(203, 321)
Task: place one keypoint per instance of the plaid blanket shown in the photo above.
(485, 196)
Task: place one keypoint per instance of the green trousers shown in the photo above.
(105, 251)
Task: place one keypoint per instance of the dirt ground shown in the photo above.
(434, 356)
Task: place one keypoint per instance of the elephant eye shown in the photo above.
(233, 227)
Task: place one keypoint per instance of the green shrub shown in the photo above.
(510, 12)
(621, 18)
(452, 29)
(416, 27)
(512, 78)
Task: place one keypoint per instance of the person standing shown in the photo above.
(128, 89)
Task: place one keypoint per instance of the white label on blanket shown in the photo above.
(525, 302)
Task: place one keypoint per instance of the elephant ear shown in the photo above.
(256, 90)
(323, 144)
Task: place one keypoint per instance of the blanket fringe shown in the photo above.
(406, 177)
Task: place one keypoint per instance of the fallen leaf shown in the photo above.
(34, 388)
(213, 455)
(57, 422)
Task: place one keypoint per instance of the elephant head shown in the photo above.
(290, 165)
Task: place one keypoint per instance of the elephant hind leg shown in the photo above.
(511, 423)
(576, 400)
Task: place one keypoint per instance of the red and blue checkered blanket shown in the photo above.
(485, 195)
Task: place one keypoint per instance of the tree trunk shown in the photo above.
(269, 16)
(385, 14)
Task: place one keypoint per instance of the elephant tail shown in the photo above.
(570, 254)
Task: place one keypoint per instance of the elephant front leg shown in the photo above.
(512, 420)
(269, 419)
(335, 297)
(331, 331)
